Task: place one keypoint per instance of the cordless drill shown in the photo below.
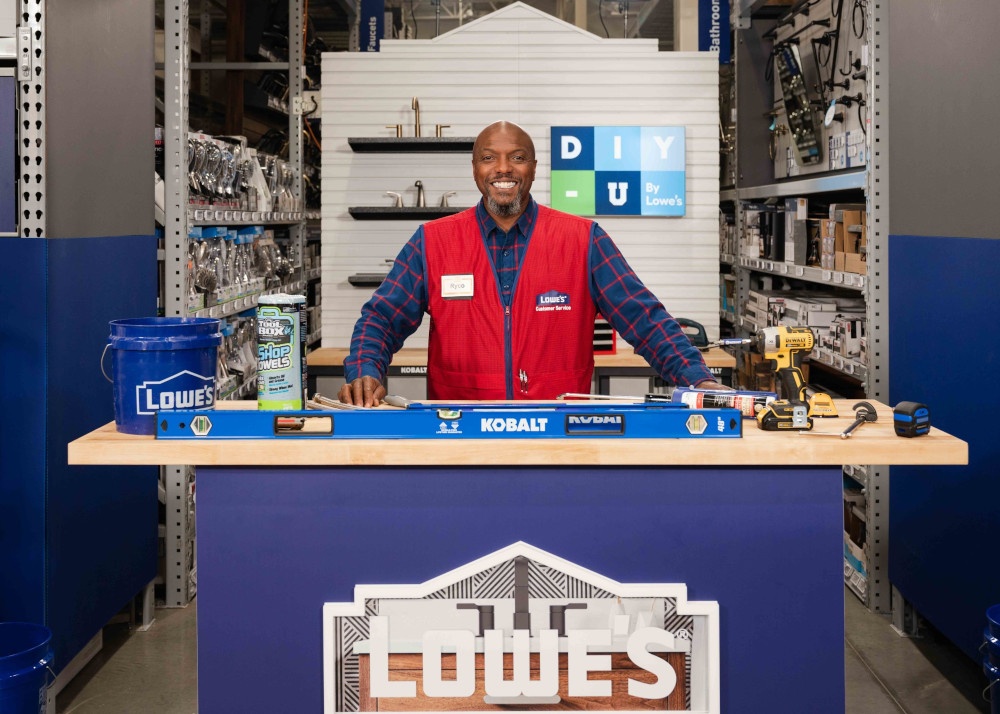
(785, 347)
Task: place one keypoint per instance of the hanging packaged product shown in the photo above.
(281, 364)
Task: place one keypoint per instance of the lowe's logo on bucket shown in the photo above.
(184, 390)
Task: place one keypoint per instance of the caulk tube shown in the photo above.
(749, 403)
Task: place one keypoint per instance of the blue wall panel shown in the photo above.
(82, 539)
(23, 326)
(944, 350)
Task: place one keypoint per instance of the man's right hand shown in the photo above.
(362, 392)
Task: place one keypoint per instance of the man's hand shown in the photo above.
(712, 384)
(362, 392)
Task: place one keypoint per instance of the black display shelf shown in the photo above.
(366, 280)
(412, 144)
(404, 213)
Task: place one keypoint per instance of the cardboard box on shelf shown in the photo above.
(796, 242)
(839, 260)
(851, 217)
(854, 554)
(765, 298)
(807, 312)
(853, 263)
(837, 210)
(849, 329)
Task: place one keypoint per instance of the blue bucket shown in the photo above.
(161, 364)
(992, 646)
(25, 656)
(992, 692)
(991, 660)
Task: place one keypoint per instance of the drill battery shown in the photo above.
(785, 415)
(911, 419)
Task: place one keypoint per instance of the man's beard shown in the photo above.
(505, 210)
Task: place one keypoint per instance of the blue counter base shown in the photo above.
(275, 544)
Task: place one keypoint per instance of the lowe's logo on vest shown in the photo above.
(184, 390)
(618, 170)
(521, 629)
(552, 300)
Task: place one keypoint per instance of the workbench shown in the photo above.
(754, 524)
(412, 362)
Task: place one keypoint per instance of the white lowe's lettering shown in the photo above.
(185, 399)
(580, 663)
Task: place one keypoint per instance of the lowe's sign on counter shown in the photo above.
(618, 170)
(521, 629)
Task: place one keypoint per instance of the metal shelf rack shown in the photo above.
(180, 566)
(755, 182)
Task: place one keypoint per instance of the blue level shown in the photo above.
(426, 421)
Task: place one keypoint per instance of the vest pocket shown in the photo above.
(447, 384)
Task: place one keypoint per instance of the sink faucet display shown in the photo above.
(415, 106)
(421, 199)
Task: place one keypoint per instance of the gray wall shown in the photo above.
(944, 104)
(99, 118)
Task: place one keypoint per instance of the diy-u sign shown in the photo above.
(618, 170)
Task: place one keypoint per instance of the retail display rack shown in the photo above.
(799, 221)
(236, 224)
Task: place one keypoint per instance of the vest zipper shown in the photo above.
(508, 353)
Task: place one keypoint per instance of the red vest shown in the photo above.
(543, 346)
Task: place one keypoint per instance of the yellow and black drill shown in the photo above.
(785, 347)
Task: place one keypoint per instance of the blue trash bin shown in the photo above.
(991, 657)
(25, 656)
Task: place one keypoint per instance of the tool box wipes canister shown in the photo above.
(281, 363)
(161, 364)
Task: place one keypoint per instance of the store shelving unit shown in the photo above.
(769, 175)
(180, 563)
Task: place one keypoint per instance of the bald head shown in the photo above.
(506, 128)
(503, 165)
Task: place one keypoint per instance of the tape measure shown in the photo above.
(911, 419)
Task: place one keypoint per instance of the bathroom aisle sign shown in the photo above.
(521, 627)
(618, 170)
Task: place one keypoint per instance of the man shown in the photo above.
(512, 289)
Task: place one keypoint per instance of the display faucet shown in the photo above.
(421, 199)
(415, 106)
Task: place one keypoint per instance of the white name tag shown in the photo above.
(456, 286)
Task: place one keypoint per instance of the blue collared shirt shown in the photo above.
(397, 307)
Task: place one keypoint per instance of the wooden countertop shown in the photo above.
(417, 357)
(873, 443)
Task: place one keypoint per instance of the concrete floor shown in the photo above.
(155, 672)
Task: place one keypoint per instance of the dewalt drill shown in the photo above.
(785, 347)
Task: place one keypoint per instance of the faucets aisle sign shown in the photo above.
(517, 628)
(618, 170)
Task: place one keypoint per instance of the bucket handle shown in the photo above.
(103, 355)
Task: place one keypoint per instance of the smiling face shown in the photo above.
(503, 165)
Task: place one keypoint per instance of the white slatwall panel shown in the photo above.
(521, 65)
